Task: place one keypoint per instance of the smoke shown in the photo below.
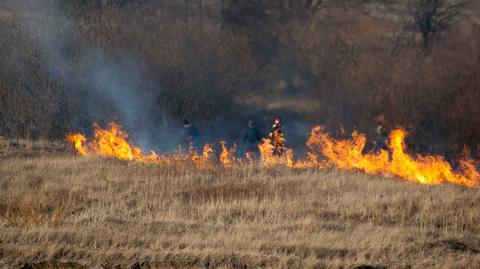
(122, 87)
(110, 88)
(122, 84)
(150, 64)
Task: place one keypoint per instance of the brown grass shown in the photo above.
(67, 212)
(27, 148)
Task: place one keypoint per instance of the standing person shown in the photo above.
(251, 139)
(191, 136)
(276, 138)
(381, 142)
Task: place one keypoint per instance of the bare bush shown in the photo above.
(221, 62)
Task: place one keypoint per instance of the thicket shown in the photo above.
(150, 64)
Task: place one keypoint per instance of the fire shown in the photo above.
(425, 169)
(250, 158)
(266, 152)
(269, 157)
(113, 142)
(227, 158)
(110, 142)
(207, 151)
(430, 169)
(78, 142)
(204, 160)
(322, 151)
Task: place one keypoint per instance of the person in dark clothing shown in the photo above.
(381, 142)
(251, 139)
(276, 138)
(191, 136)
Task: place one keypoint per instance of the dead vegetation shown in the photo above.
(28, 148)
(220, 62)
(68, 212)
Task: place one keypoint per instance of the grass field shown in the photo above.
(60, 211)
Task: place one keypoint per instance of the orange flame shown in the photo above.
(323, 150)
(227, 158)
(78, 142)
(204, 160)
(250, 158)
(112, 142)
(431, 169)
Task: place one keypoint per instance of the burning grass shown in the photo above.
(94, 212)
(323, 151)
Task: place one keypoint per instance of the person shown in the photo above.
(276, 138)
(251, 139)
(191, 136)
(381, 141)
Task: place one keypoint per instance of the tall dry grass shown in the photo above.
(67, 212)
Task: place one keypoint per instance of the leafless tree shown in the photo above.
(431, 17)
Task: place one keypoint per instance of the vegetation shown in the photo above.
(150, 64)
(58, 211)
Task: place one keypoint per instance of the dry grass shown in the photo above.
(11, 148)
(67, 212)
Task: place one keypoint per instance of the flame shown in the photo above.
(112, 142)
(204, 160)
(207, 151)
(78, 142)
(278, 142)
(269, 154)
(250, 158)
(227, 158)
(266, 151)
(425, 169)
(430, 169)
(323, 151)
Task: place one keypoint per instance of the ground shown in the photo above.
(62, 211)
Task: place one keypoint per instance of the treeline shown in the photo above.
(150, 64)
